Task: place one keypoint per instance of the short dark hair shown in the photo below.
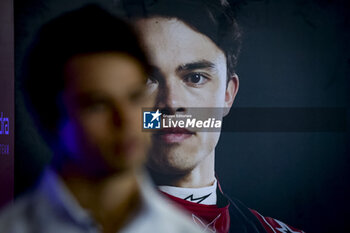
(213, 18)
(87, 30)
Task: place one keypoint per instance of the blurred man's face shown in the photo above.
(190, 71)
(103, 96)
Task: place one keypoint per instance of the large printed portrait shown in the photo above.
(268, 79)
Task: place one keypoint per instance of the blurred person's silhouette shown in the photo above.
(85, 83)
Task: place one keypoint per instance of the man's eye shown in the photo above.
(196, 79)
(150, 81)
(151, 85)
(97, 107)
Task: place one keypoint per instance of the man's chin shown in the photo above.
(170, 164)
(174, 158)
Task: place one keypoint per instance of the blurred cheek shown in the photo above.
(81, 134)
(95, 126)
(97, 132)
(72, 139)
(134, 128)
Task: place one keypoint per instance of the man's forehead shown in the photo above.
(166, 38)
(176, 29)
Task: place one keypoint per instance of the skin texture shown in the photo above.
(103, 96)
(101, 134)
(190, 71)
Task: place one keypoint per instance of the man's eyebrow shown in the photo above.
(202, 64)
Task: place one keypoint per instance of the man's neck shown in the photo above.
(202, 175)
(110, 200)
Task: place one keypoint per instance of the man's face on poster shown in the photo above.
(190, 70)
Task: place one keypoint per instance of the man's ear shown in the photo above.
(231, 92)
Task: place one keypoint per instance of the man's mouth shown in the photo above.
(173, 135)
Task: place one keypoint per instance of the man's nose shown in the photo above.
(122, 116)
(118, 117)
(171, 97)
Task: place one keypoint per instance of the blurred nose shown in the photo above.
(118, 118)
(122, 117)
(170, 97)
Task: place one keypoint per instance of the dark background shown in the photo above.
(295, 54)
(7, 108)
